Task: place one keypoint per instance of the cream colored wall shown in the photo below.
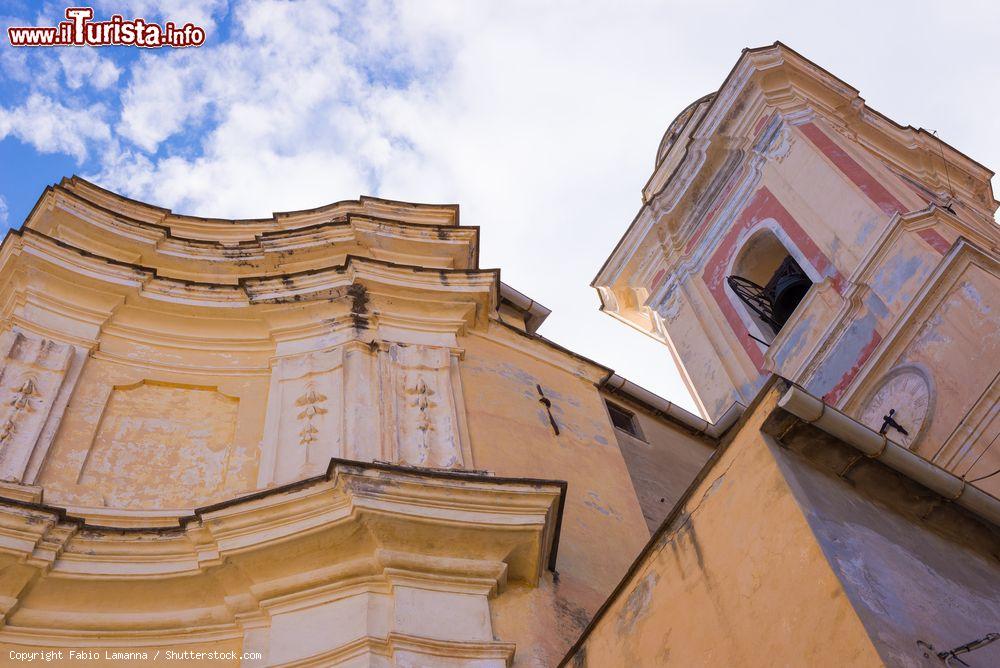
(782, 136)
(834, 212)
(960, 347)
(142, 436)
(602, 526)
(702, 338)
(948, 347)
(899, 229)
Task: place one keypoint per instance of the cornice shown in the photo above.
(678, 168)
(270, 516)
(296, 286)
(397, 526)
(447, 650)
(304, 257)
(914, 150)
(428, 299)
(258, 251)
(204, 227)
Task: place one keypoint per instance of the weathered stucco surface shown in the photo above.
(136, 438)
(511, 435)
(329, 437)
(786, 151)
(312, 438)
(737, 578)
(913, 572)
(662, 463)
(951, 351)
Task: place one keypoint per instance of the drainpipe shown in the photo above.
(534, 313)
(809, 409)
(619, 384)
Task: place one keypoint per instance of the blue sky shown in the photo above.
(540, 119)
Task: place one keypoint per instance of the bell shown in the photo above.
(786, 289)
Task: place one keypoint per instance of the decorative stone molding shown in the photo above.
(422, 419)
(389, 401)
(774, 109)
(360, 309)
(376, 557)
(304, 424)
(35, 383)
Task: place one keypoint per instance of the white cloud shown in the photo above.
(3, 211)
(296, 93)
(87, 67)
(541, 120)
(202, 13)
(161, 97)
(49, 69)
(51, 127)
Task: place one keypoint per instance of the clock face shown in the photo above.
(906, 393)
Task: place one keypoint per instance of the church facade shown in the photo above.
(323, 438)
(329, 437)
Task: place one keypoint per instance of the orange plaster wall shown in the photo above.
(602, 527)
(734, 581)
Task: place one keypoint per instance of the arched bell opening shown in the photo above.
(769, 282)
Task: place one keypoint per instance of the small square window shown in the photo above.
(624, 420)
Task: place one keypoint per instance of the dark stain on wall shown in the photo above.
(914, 567)
(359, 305)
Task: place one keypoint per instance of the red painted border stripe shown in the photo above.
(868, 184)
(935, 240)
(833, 396)
(762, 205)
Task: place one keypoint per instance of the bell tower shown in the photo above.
(789, 229)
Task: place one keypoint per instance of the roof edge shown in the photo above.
(70, 182)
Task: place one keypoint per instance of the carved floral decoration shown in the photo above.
(21, 403)
(421, 400)
(311, 408)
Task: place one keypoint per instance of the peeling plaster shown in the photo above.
(637, 603)
(793, 344)
(593, 500)
(892, 280)
(847, 355)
